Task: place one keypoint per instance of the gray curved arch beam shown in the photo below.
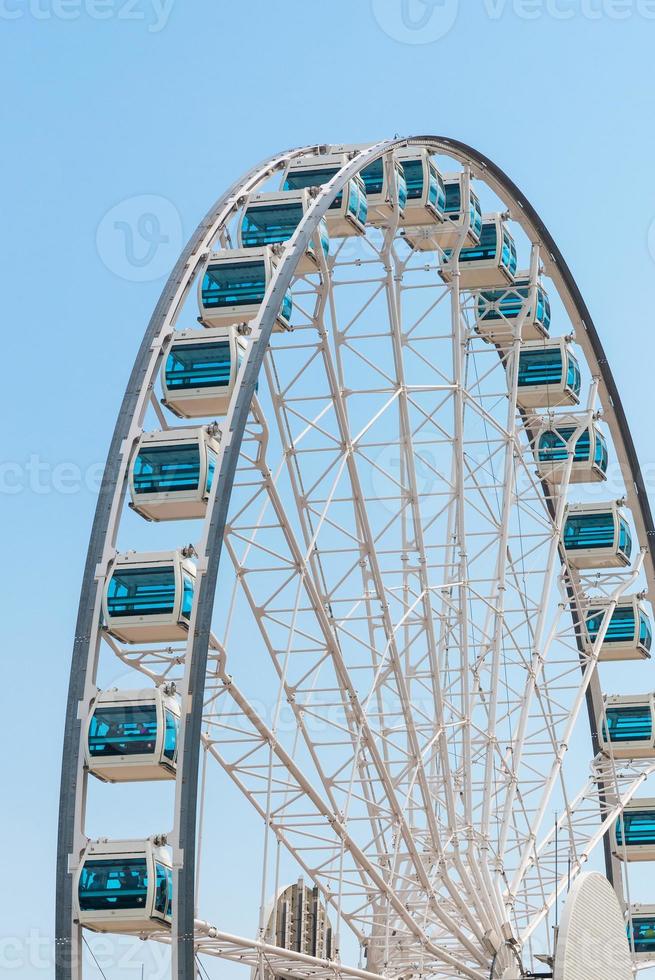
(67, 958)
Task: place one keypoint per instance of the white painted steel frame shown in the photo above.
(105, 527)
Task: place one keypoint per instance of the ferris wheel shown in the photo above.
(373, 553)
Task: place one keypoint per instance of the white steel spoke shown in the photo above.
(391, 664)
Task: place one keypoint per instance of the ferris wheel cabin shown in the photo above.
(628, 729)
(125, 886)
(629, 634)
(272, 219)
(458, 220)
(548, 375)
(633, 834)
(553, 444)
(234, 284)
(347, 214)
(386, 190)
(641, 933)
(497, 311)
(597, 536)
(133, 735)
(491, 262)
(148, 597)
(200, 371)
(172, 473)
(457, 216)
(426, 193)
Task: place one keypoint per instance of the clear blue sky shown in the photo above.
(104, 102)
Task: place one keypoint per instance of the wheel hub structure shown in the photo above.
(371, 533)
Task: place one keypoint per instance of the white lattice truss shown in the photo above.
(397, 561)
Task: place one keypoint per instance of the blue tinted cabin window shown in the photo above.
(270, 223)
(238, 284)
(211, 468)
(540, 366)
(433, 190)
(199, 366)
(163, 889)
(453, 199)
(454, 206)
(287, 306)
(625, 538)
(233, 284)
(621, 627)
(187, 595)
(323, 235)
(298, 179)
(589, 531)
(643, 934)
(494, 304)
(171, 734)
(362, 211)
(437, 191)
(120, 883)
(401, 187)
(159, 469)
(357, 204)
(629, 724)
(636, 828)
(141, 591)
(645, 630)
(508, 256)
(573, 379)
(542, 316)
(123, 730)
(546, 308)
(476, 214)
(353, 199)
(600, 452)
(506, 252)
(553, 446)
(373, 177)
(486, 248)
(413, 170)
